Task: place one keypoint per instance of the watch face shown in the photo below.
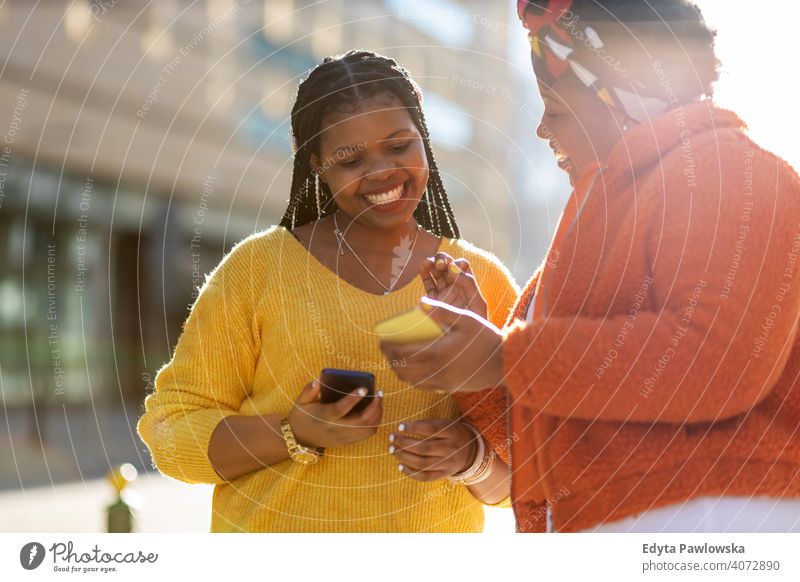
(304, 457)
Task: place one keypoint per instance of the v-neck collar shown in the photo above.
(343, 283)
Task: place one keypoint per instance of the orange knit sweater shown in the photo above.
(665, 366)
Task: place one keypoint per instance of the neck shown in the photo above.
(373, 240)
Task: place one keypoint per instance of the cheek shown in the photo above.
(343, 182)
(417, 164)
(421, 174)
(572, 135)
(560, 130)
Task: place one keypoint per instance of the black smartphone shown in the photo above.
(337, 383)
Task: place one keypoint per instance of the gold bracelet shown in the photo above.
(297, 452)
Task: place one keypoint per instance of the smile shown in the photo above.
(562, 159)
(387, 197)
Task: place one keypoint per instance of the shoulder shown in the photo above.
(714, 170)
(272, 240)
(251, 258)
(727, 152)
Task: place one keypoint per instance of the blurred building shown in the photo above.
(143, 139)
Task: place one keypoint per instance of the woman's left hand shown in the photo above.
(437, 450)
(467, 358)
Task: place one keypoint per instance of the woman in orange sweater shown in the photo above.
(652, 361)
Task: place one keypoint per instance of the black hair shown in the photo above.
(677, 24)
(343, 83)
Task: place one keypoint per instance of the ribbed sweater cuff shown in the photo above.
(183, 449)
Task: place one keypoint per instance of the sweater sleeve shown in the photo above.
(210, 374)
(486, 410)
(724, 307)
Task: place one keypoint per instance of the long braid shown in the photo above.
(346, 81)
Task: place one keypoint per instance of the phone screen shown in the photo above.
(337, 383)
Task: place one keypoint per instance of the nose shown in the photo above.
(542, 131)
(381, 169)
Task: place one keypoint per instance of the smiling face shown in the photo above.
(374, 163)
(579, 127)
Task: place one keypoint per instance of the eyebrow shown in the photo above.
(351, 148)
(388, 137)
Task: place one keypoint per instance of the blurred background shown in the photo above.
(131, 126)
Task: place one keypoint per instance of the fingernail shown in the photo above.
(391, 438)
(401, 468)
(454, 269)
(361, 391)
(380, 393)
(439, 262)
(391, 449)
(402, 427)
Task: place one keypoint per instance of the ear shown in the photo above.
(317, 167)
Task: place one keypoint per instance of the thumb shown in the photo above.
(309, 394)
(442, 313)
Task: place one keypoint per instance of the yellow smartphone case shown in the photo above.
(409, 327)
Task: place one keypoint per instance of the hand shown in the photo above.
(467, 358)
(327, 425)
(443, 448)
(451, 281)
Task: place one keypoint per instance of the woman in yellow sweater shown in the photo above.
(239, 403)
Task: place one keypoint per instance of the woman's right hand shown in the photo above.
(327, 425)
(451, 281)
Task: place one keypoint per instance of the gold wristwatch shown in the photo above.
(297, 452)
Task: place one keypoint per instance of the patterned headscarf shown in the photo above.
(554, 31)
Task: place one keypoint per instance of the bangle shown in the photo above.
(484, 471)
(473, 469)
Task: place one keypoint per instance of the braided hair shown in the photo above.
(341, 83)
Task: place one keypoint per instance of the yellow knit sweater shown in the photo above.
(267, 320)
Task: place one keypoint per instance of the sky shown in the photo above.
(757, 46)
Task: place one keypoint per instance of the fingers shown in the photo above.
(428, 428)
(416, 463)
(423, 468)
(421, 361)
(432, 447)
(441, 312)
(463, 265)
(433, 272)
(344, 405)
(441, 265)
(442, 261)
(372, 414)
(309, 394)
(432, 457)
(460, 271)
(416, 351)
(429, 281)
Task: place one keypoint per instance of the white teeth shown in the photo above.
(385, 197)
